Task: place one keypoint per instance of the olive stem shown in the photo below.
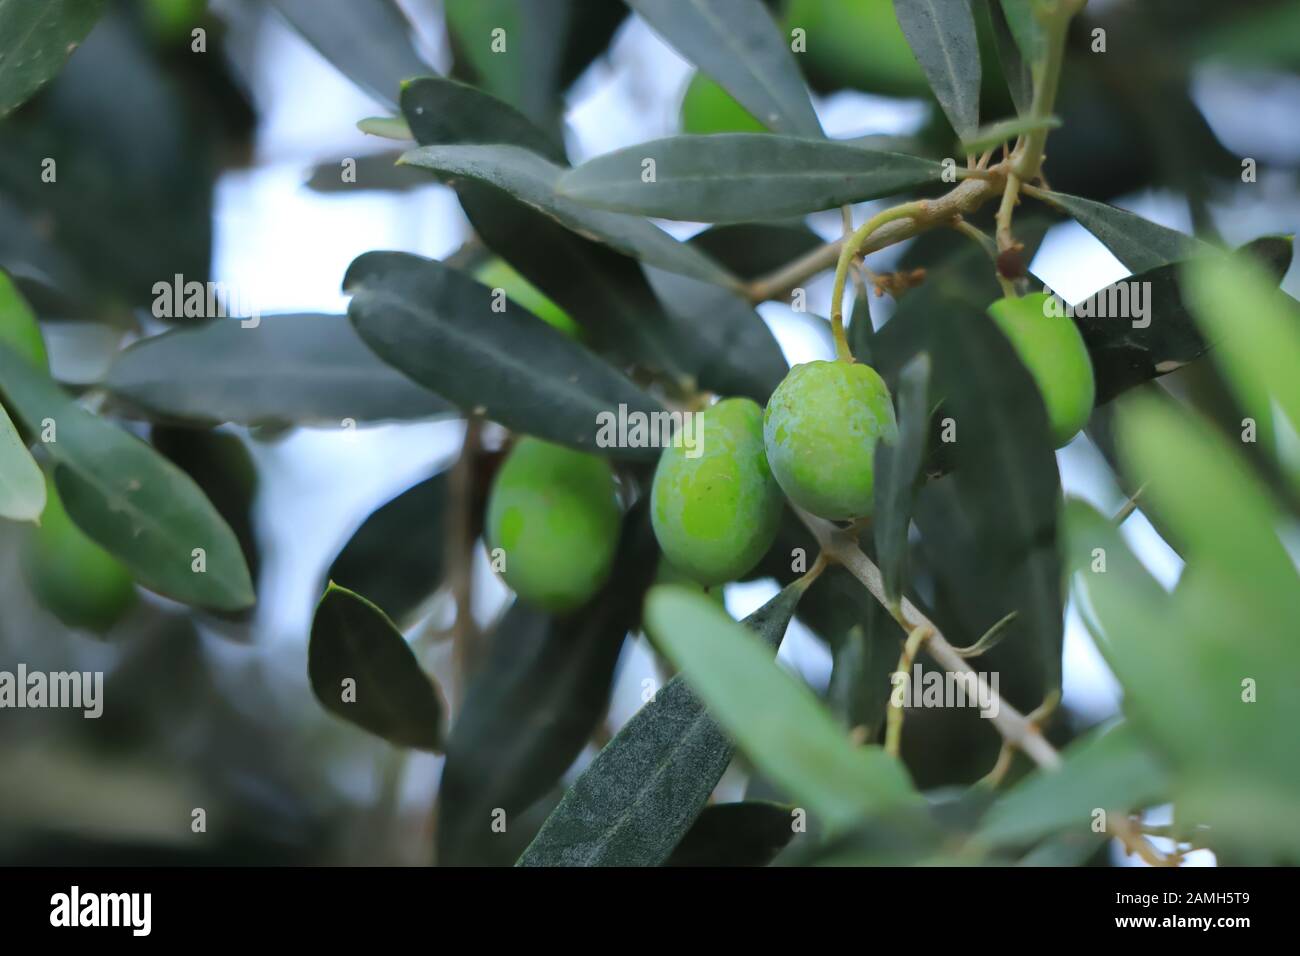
(1015, 727)
(894, 717)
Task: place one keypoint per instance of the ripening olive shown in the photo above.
(820, 431)
(554, 514)
(1052, 349)
(715, 514)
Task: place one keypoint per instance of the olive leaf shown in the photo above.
(897, 472)
(775, 720)
(395, 557)
(36, 39)
(536, 701)
(1141, 245)
(286, 369)
(362, 670)
(439, 327)
(130, 500)
(368, 41)
(1020, 81)
(740, 177)
(638, 798)
(737, 43)
(941, 34)
(532, 180)
(750, 833)
(22, 486)
(1110, 770)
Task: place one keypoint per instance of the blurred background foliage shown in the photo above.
(209, 165)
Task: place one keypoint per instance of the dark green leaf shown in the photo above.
(1015, 68)
(130, 500)
(862, 664)
(223, 469)
(738, 177)
(395, 558)
(1127, 351)
(941, 34)
(362, 670)
(635, 801)
(752, 249)
(532, 180)
(898, 470)
(35, 39)
(1138, 243)
(377, 171)
(536, 701)
(737, 44)
(1005, 479)
(289, 369)
(368, 41)
(719, 337)
(438, 327)
(774, 718)
(736, 834)
(444, 112)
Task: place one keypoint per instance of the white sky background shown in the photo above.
(289, 247)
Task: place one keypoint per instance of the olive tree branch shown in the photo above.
(1015, 727)
(966, 197)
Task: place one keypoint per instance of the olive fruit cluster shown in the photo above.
(716, 503)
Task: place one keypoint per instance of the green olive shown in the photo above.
(1052, 349)
(858, 43)
(554, 514)
(820, 431)
(715, 507)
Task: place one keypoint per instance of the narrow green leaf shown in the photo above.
(898, 470)
(288, 369)
(1110, 770)
(438, 326)
(862, 663)
(941, 34)
(18, 326)
(751, 833)
(753, 249)
(1238, 538)
(362, 670)
(536, 700)
(1027, 31)
(739, 177)
(22, 486)
(1255, 330)
(441, 111)
(532, 180)
(1138, 243)
(395, 557)
(737, 43)
(640, 795)
(368, 41)
(776, 720)
(35, 40)
(137, 505)
(1020, 81)
(1005, 131)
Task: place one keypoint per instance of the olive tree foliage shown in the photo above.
(972, 550)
